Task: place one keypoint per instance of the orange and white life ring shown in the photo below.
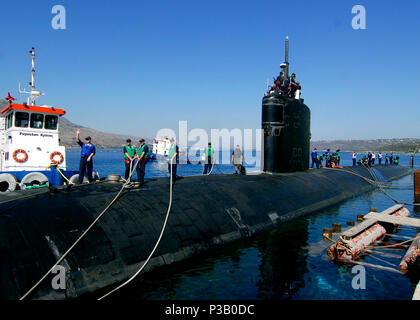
(20, 159)
(56, 153)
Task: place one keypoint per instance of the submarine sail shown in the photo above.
(286, 128)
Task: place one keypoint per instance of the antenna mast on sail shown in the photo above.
(286, 73)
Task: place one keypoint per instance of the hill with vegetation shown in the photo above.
(398, 145)
(101, 139)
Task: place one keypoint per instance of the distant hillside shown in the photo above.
(399, 145)
(100, 139)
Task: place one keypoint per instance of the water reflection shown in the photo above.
(283, 261)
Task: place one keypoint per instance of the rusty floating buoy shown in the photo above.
(336, 227)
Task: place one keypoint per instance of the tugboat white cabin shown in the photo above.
(29, 138)
(31, 155)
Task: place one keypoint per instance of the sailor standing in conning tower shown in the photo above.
(86, 155)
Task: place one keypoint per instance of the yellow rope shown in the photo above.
(58, 169)
(393, 245)
(328, 238)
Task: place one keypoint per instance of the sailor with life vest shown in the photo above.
(143, 156)
(208, 158)
(86, 155)
(129, 152)
(354, 158)
(173, 158)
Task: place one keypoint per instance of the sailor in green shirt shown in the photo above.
(129, 152)
(173, 157)
(143, 156)
(208, 158)
(338, 157)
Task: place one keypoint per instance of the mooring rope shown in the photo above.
(382, 260)
(394, 244)
(156, 244)
(374, 183)
(78, 239)
(375, 266)
(58, 169)
(386, 193)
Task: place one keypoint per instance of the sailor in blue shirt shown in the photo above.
(86, 161)
(314, 156)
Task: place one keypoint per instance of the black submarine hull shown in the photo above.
(207, 211)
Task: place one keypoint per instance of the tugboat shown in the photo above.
(31, 156)
(160, 149)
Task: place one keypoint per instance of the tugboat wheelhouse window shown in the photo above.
(9, 122)
(37, 120)
(51, 122)
(21, 119)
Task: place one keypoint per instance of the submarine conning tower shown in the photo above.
(286, 129)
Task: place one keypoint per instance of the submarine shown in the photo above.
(38, 226)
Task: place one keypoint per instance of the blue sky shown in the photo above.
(135, 67)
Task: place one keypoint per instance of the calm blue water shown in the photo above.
(287, 263)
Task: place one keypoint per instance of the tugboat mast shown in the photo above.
(32, 83)
(34, 94)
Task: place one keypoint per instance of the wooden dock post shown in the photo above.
(417, 186)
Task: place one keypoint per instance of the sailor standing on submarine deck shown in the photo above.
(208, 158)
(129, 152)
(143, 156)
(354, 158)
(314, 156)
(237, 159)
(86, 155)
(173, 157)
